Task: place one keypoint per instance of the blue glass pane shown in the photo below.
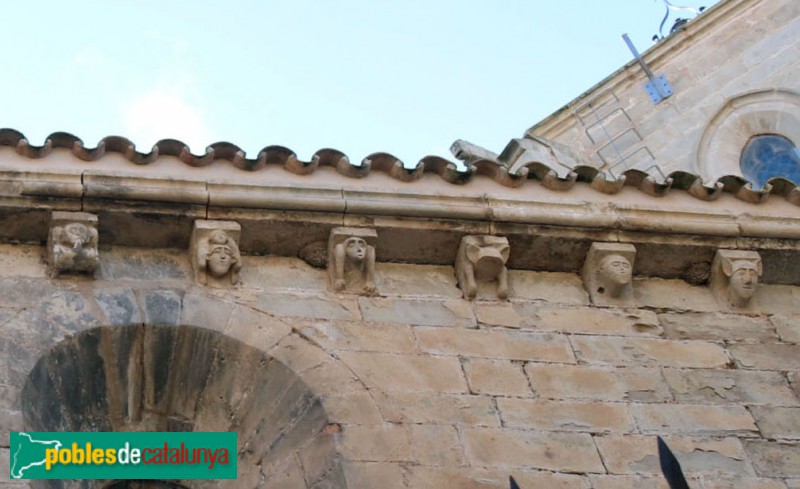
(769, 156)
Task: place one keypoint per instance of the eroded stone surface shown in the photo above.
(602, 383)
(608, 274)
(436, 445)
(692, 419)
(356, 336)
(421, 407)
(420, 373)
(674, 295)
(635, 454)
(648, 352)
(381, 443)
(119, 306)
(146, 265)
(72, 243)
(306, 306)
(734, 276)
(22, 261)
(223, 385)
(214, 252)
(482, 259)
(730, 386)
(351, 260)
(568, 416)
(560, 452)
(586, 320)
(481, 478)
(497, 377)
(557, 287)
(788, 327)
(434, 373)
(717, 327)
(774, 459)
(511, 345)
(778, 422)
(162, 306)
(774, 356)
(453, 312)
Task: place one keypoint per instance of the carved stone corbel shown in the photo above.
(72, 243)
(608, 274)
(734, 276)
(482, 258)
(214, 251)
(351, 260)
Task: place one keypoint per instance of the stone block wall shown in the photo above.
(422, 388)
(738, 47)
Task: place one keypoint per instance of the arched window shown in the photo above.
(770, 155)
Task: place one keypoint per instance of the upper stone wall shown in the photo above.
(418, 387)
(714, 65)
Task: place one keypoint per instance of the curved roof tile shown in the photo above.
(655, 185)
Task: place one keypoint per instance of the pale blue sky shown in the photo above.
(360, 76)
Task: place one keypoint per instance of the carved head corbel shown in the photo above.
(216, 259)
(734, 276)
(72, 243)
(608, 273)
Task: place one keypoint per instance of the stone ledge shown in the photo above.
(547, 231)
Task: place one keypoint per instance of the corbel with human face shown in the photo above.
(216, 258)
(608, 274)
(734, 276)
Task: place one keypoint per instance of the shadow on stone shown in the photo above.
(168, 378)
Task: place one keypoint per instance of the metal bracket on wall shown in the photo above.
(658, 88)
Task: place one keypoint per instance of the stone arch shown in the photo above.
(180, 378)
(144, 484)
(774, 111)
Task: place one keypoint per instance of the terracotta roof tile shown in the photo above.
(655, 185)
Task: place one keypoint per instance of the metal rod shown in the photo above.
(638, 56)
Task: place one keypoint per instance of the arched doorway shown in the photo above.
(138, 484)
(169, 378)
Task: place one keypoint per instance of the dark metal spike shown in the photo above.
(670, 467)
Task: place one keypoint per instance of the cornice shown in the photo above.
(419, 220)
(520, 175)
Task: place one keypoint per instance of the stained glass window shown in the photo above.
(770, 155)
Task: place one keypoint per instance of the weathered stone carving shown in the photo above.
(608, 273)
(72, 243)
(351, 260)
(734, 276)
(482, 258)
(215, 252)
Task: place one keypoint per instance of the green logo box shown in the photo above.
(123, 455)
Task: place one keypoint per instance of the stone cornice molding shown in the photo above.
(628, 210)
(421, 222)
(524, 162)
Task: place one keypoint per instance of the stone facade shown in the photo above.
(417, 387)
(406, 363)
(732, 77)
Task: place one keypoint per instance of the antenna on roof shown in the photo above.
(679, 22)
(658, 88)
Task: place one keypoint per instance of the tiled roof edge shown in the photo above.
(448, 170)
